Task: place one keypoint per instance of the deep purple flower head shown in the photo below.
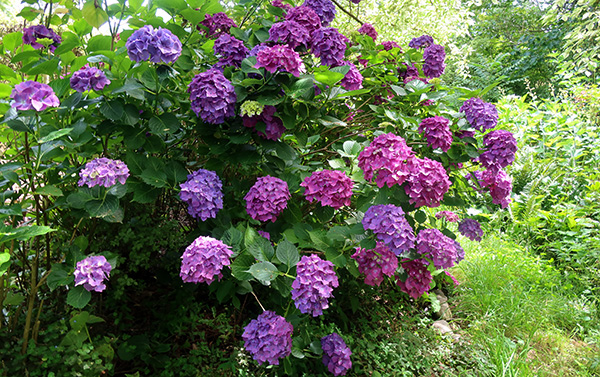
(280, 4)
(389, 225)
(336, 354)
(460, 252)
(267, 198)
(91, 272)
(33, 33)
(386, 158)
(256, 49)
(437, 131)
(273, 125)
(268, 338)
(388, 45)
(450, 216)
(330, 187)
(88, 78)
(158, 45)
(204, 259)
(306, 17)
(353, 79)
(500, 186)
(471, 229)
(33, 95)
(376, 263)
(213, 96)
(418, 280)
(368, 29)
(406, 71)
(501, 147)
(217, 24)
(480, 115)
(103, 172)
(328, 44)
(139, 44)
(434, 57)
(203, 193)
(289, 32)
(427, 182)
(265, 234)
(315, 280)
(433, 244)
(280, 58)
(325, 9)
(421, 42)
(230, 51)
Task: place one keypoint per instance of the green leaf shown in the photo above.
(241, 265)
(12, 41)
(113, 110)
(40, 67)
(95, 16)
(78, 297)
(107, 209)
(265, 272)
(4, 262)
(142, 193)
(287, 253)
(49, 190)
(133, 88)
(154, 177)
(176, 173)
(24, 233)
(55, 135)
(14, 299)
(302, 88)
(420, 216)
(167, 123)
(319, 239)
(329, 78)
(233, 237)
(59, 276)
(261, 249)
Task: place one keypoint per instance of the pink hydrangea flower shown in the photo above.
(437, 131)
(330, 187)
(204, 259)
(418, 280)
(427, 182)
(267, 198)
(386, 158)
(376, 263)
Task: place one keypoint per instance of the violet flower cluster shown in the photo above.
(450, 216)
(501, 147)
(427, 183)
(268, 338)
(33, 33)
(369, 30)
(203, 194)
(330, 45)
(88, 78)
(273, 125)
(407, 73)
(91, 272)
(386, 159)
(434, 56)
(480, 115)
(330, 187)
(460, 252)
(433, 244)
(203, 260)
(267, 198)
(158, 45)
(423, 41)
(376, 263)
(256, 49)
(336, 354)
(306, 17)
(213, 96)
(230, 51)
(418, 280)
(437, 131)
(325, 9)
(103, 172)
(315, 280)
(353, 79)
(389, 225)
(217, 24)
(280, 58)
(499, 185)
(280, 4)
(388, 45)
(33, 95)
(471, 229)
(290, 33)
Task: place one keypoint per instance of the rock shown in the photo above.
(443, 327)
(444, 312)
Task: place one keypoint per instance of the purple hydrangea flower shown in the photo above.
(336, 354)
(448, 215)
(325, 9)
(289, 32)
(437, 131)
(231, 51)
(204, 259)
(256, 49)
(306, 17)
(409, 72)
(353, 79)
(418, 280)
(217, 24)
(461, 134)
(33, 95)
(88, 78)
(389, 225)
(280, 58)
(386, 158)
(315, 280)
(501, 147)
(376, 263)
(139, 44)
(500, 186)
(91, 272)
(369, 30)
(158, 45)
(433, 244)
(434, 57)
(273, 125)
(103, 172)
(33, 33)
(460, 252)
(267, 198)
(213, 96)
(388, 45)
(471, 229)
(427, 182)
(328, 44)
(480, 115)
(330, 187)
(421, 42)
(202, 192)
(280, 4)
(265, 234)
(268, 338)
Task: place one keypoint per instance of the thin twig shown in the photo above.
(348, 12)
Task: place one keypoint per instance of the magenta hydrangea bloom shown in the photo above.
(33, 95)
(268, 338)
(409, 72)
(433, 244)
(158, 45)
(418, 280)
(280, 4)
(91, 272)
(280, 58)
(434, 57)
(306, 17)
(290, 33)
(213, 96)
(450, 216)
(388, 45)
(500, 186)
(389, 225)
(230, 51)
(376, 263)
(267, 198)
(256, 49)
(203, 260)
(437, 131)
(427, 182)
(336, 354)
(386, 159)
(330, 187)
(369, 30)
(33, 33)
(103, 172)
(265, 234)
(315, 280)
(217, 24)
(501, 147)
(88, 78)
(328, 44)
(421, 42)
(353, 79)
(471, 229)
(273, 125)
(203, 193)
(325, 9)
(480, 115)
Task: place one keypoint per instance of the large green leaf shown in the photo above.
(59, 275)
(261, 249)
(265, 272)
(23, 233)
(241, 265)
(287, 253)
(94, 15)
(78, 297)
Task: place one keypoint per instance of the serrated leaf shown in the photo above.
(265, 272)
(113, 110)
(287, 253)
(93, 15)
(154, 177)
(107, 209)
(49, 190)
(55, 135)
(241, 265)
(78, 297)
(165, 124)
(261, 249)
